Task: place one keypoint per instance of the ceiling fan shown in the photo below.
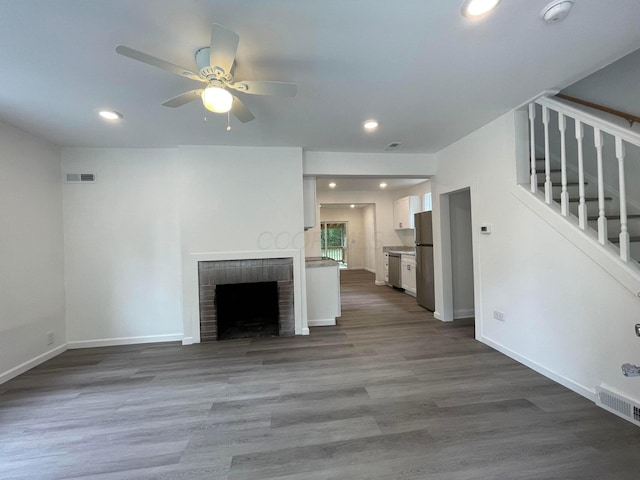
(215, 69)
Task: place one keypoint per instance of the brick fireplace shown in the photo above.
(226, 272)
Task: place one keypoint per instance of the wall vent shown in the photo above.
(80, 178)
(618, 404)
(392, 146)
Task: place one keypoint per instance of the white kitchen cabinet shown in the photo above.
(309, 201)
(386, 267)
(408, 276)
(403, 210)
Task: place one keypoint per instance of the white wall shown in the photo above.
(122, 247)
(357, 242)
(372, 164)
(31, 252)
(130, 238)
(241, 199)
(564, 315)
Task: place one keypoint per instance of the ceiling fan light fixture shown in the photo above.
(370, 125)
(217, 99)
(476, 8)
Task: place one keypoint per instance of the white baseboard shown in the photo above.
(370, 270)
(463, 313)
(34, 362)
(410, 292)
(380, 282)
(187, 341)
(566, 382)
(109, 342)
(322, 322)
(438, 316)
(305, 331)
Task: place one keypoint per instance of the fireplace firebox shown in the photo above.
(246, 310)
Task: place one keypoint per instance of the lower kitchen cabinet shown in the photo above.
(408, 276)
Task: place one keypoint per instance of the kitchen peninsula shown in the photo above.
(323, 291)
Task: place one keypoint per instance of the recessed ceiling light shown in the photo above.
(110, 114)
(352, 206)
(370, 125)
(332, 185)
(383, 185)
(476, 8)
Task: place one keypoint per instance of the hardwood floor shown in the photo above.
(389, 393)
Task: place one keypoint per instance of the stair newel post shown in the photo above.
(564, 196)
(532, 147)
(624, 233)
(548, 193)
(582, 206)
(602, 219)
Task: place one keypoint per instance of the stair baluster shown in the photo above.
(602, 219)
(564, 195)
(625, 251)
(532, 146)
(582, 206)
(548, 187)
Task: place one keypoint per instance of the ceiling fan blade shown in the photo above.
(158, 63)
(183, 98)
(240, 110)
(280, 89)
(222, 51)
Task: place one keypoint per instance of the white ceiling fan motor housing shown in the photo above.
(556, 11)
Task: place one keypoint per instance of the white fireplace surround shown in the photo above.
(190, 290)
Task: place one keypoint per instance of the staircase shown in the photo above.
(577, 166)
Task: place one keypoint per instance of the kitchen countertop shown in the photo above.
(400, 250)
(315, 262)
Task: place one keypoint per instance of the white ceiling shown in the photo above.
(429, 75)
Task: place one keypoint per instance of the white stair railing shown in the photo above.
(552, 111)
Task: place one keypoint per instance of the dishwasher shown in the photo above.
(395, 270)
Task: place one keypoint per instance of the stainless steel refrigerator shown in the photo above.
(424, 261)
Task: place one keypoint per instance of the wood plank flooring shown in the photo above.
(389, 393)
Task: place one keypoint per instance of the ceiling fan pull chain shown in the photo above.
(228, 122)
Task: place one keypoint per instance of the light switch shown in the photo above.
(485, 228)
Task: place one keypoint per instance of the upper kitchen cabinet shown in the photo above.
(309, 201)
(403, 211)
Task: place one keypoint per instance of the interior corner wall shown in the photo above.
(31, 252)
(564, 315)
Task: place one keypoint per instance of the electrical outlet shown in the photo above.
(638, 329)
(498, 315)
(50, 338)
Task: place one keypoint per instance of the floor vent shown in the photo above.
(80, 178)
(616, 403)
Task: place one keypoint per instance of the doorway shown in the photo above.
(457, 256)
(333, 241)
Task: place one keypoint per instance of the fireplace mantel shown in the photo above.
(191, 308)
